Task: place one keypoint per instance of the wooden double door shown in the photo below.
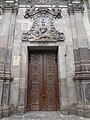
(43, 89)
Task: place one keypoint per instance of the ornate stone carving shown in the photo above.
(87, 92)
(75, 6)
(43, 28)
(55, 11)
(45, 2)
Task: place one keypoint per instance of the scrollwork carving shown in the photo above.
(43, 28)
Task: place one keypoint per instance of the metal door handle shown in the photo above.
(43, 95)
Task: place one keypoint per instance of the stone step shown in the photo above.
(44, 116)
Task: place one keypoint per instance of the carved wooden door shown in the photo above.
(43, 90)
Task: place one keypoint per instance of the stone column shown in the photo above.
(3, 46)
(63, 88)
(1, 69)
(1, 93)
(81, 53)
(5, 100)
(7, 33)
(23, 79)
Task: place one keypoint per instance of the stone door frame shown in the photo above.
(24, 67)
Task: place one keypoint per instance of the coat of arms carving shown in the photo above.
(43, 28)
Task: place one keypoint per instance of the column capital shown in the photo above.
(75, 6)
(10, 5)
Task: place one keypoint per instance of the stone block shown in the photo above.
(16, 72)
(21, 109)
(6, 111)
(1, 112)
(78, 68)
(4, 39)
(72, 111)
(64, 91)
(83, 68)
(2, 53)
(65, 111)
(89, 52)
(13, 110)
(76, 55)
(22, 96)
(87, 113)
(14, 92)
(64, 102)
(88, 67)
(80, 112)
(83, 53)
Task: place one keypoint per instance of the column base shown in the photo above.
(21, 109)
(1, 112)
(6, 111)
(80, 110)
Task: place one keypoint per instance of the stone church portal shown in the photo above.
(45, 56)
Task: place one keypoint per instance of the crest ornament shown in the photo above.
(43, 28)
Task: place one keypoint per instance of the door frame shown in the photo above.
(45, 48)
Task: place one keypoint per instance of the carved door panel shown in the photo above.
(51, 82)
(43, 84)
(34, 93)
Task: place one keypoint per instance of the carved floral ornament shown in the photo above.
(43, 28)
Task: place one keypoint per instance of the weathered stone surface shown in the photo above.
(44, 116)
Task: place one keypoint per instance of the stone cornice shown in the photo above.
(40, 2)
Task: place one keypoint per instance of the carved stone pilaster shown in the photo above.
(6, 97)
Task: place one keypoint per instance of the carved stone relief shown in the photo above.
(43, 28)
(87, 92)
(41, 2)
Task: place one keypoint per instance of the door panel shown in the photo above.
(49, 79)
(43, 84)
(34, 85)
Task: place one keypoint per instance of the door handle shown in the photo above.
(43, 96)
